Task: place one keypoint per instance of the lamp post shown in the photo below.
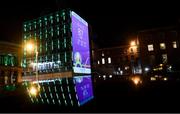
(30, 48)
(133, 50)
(34, 89)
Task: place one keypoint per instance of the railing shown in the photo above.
(47, 76)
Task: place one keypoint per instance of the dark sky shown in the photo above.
(111, 20)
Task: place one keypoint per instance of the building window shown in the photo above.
(164, 58)
(51, 18)
(109, 59)
(162, 46)
(98, 62)
(57, 17)
(102, 54)
(150, 47)
(174, 43)
(103, 61)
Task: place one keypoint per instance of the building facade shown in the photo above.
(115, 61)
(61, 46)
(56, 55)
(159, 49)
(10, 63)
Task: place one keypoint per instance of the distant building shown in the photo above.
(10, 63)
(153, 51)
(159, 49)
(122, 60)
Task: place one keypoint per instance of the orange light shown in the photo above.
(161, 65)
(133, 43)
(29, 46)
(34, 89)
(136, 80)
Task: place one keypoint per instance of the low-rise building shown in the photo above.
(10, 63)
(159, 49)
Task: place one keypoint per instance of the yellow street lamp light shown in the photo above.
(133, 43)
(34, 89)
(30, 47)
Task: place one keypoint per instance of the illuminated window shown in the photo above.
(52, 45)
(98, 62)
(57, 30)
(63, 16)
(45, 19)
(164, 58)
(174, 44)
(102, 54)
(40, 24)
(46, 46)
(103, 61)
(29, 26)
(40, 48)
(150, 47)
(109, 59)
(52, 32)
(64, 28)
(58, 44)
(35, 25)
(51, 18)
(162, 46)
(57, 17)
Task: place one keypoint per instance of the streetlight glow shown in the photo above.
(29, 46)
(136, 80)
(133, 43)
(33, 91)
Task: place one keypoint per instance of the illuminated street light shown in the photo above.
(165, 79)
(34, 89)
(146, 69)
(133, 43)
(133, 52)
(30, 48)
(136, 80)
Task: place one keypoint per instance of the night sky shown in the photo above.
(111, 21)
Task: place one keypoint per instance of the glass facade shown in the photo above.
(56, 38)
(51, 37)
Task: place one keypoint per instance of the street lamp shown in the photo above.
(34, 89)
(30, 48)
(132, 50)
(133, 43)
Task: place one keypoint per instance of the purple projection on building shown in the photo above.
(83, 85)
(80, 42)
